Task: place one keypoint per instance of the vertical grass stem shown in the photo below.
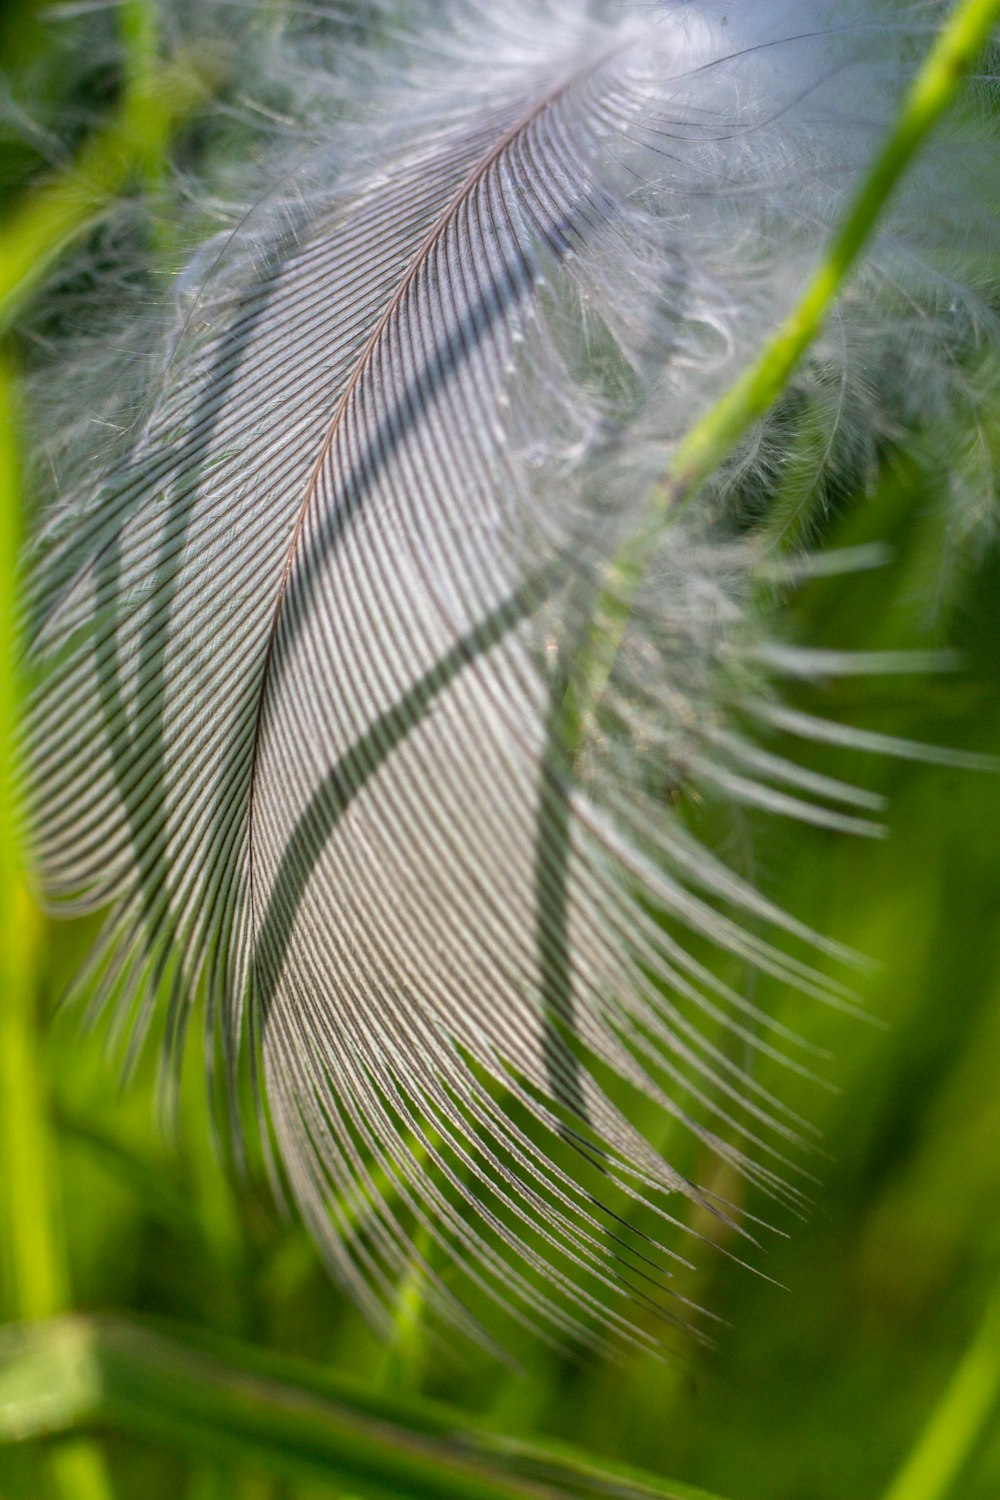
(36, 1283)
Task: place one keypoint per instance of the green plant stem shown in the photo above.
(131, 145)
(402, 1364)
(712, 439)
(933, 91)
(236, 1404)
(140, 35)
(959, 1421)
(32, 1275)
(35, 1275)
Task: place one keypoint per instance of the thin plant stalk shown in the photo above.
(36, 1279)
(132, 145)
(958, 1422)
(36, 1273)
(710, 441)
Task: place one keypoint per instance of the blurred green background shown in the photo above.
(827, 1367)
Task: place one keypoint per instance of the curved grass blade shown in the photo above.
(132, 144)
(960, 42)
(932, 1470)
(229, 1402)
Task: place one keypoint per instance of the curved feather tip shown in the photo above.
(318, 719)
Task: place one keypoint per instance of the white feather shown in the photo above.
(307, 634)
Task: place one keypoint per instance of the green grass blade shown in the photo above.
(33, 1279)
(140, 34)
(131, 145)
(933, 1468)
(235, 1404)
(958, 45)
(933, 91)
(31, 1252)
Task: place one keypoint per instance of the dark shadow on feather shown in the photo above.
(352, 772)
(144, 800)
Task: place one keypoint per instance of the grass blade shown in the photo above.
(35, 1276)
(961, 40)
(235, 1404)
(959, 1421)
(133, 144)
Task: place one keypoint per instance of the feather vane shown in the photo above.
(308, 641)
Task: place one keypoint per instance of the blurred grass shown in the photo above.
(231, 1401)
(867, 1363)
(36, 1277)
(940, 1456)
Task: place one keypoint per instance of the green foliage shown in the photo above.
(869, 1346)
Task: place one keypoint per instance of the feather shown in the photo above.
(307, 638)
